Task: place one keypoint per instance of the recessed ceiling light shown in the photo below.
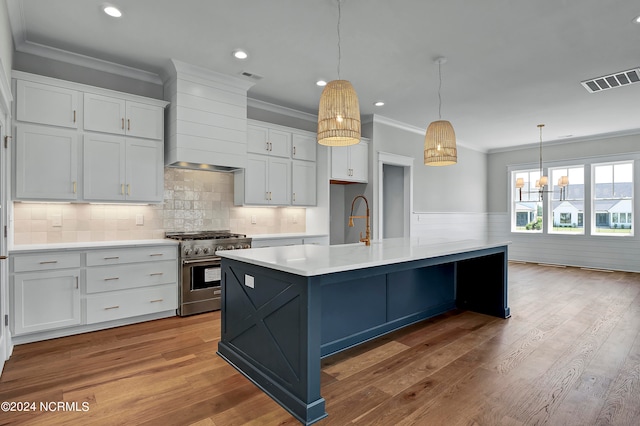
(111, 11)
(378, 103)
(321, 83)
(636, 19)
(240, 54)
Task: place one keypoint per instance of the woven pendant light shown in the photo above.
(440, 139)
(339, 109)
(339, 115)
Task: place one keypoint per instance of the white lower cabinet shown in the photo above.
(81, 288)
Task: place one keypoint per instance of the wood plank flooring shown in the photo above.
(570, 355)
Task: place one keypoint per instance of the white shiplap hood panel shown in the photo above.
(207, 119)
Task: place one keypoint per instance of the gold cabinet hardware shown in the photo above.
(112, 278)
(156, 254)
(294, 150)
(77, 285)
(122, 189)
(157, 273)
(3, 257)
(156, 300)
(74, 115)
(75, 186)
(123, 124)
(266, 148)
(112, 307)
(294, 196)
(112, 258)
(128, 124)
(48, 262)
(128, 189)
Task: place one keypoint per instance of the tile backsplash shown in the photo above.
(193, 200)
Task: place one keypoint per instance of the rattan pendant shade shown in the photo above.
(440, 144)
(339, 115)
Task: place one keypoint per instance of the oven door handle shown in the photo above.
(191, 262)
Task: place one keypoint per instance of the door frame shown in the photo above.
(407, 164)
(6, 99)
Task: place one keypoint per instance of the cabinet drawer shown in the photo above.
(45, 261)
(122, 277)
(130, 303)
(131, 255)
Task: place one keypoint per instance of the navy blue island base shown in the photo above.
(278, 325)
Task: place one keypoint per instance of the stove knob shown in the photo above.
(220, 248)
(187, 251)
(239, 246)
(206, 250)
(246, 246)
(230, 247)
(197, 250)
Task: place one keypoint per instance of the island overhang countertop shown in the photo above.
(311, 260)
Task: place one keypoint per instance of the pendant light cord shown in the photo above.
(439, 89)
(540, 126)
(339, 50)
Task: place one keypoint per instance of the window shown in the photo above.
(567, 200)
(527, 203)
(613, 199)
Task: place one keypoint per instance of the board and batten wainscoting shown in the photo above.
(599, 252)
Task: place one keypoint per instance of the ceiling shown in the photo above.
(510, 64)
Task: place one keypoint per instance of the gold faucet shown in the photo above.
(367, 239)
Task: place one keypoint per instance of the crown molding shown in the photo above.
(568, 141)
(21, 44)
(278, 109)
(380, 119)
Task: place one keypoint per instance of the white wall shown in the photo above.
(606, 252)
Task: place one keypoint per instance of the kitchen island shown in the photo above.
(285, 308)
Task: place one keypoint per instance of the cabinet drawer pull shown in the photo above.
(75, 186)
(74, 115)
(123, 124)
(112, 278)
(128, 189)
(157, 273)
(156, 300)
(294, 196)
(156, 254)
(112, 307)
(294, 150)
(112, 258)
(217, 291)
(77, 286)
(128, 124)
(47, 262)
(122, 189)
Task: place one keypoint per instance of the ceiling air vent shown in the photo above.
(619, 79)
(251, 75)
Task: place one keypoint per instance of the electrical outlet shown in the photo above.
(248, 281)
(56, 220)
(294, 218)
(254, 219)
(139, 219)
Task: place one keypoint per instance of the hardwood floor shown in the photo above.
(570, 355)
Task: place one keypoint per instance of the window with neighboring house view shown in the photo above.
(566, 200)
(612, 199)
(527, 205)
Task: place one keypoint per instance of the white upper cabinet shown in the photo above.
(350, 163)
(46, 104)
(122, 117)
(303, 183)
(266, 180)
(267, 141)
(304, 147)
(46, 163)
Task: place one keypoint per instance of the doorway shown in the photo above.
(395, 195)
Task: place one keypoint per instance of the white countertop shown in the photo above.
(311, 260)
(24, 248)
(282, 236)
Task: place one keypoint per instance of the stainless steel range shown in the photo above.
(200, 267)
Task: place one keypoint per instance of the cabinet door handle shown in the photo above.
(112, 278)
(128, 189)
(47, 262)
(77, 285)
(269, 195)
(122, 189)
(112, 258)
(294, 150)
(294, 196)
(112, 307)
(75, 186)
(156, 300)
(123, 123)
(157, 273)
(266, 148)
(270, 146)
(74, 115)
(128, 124)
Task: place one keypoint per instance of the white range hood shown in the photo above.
(206, 119)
